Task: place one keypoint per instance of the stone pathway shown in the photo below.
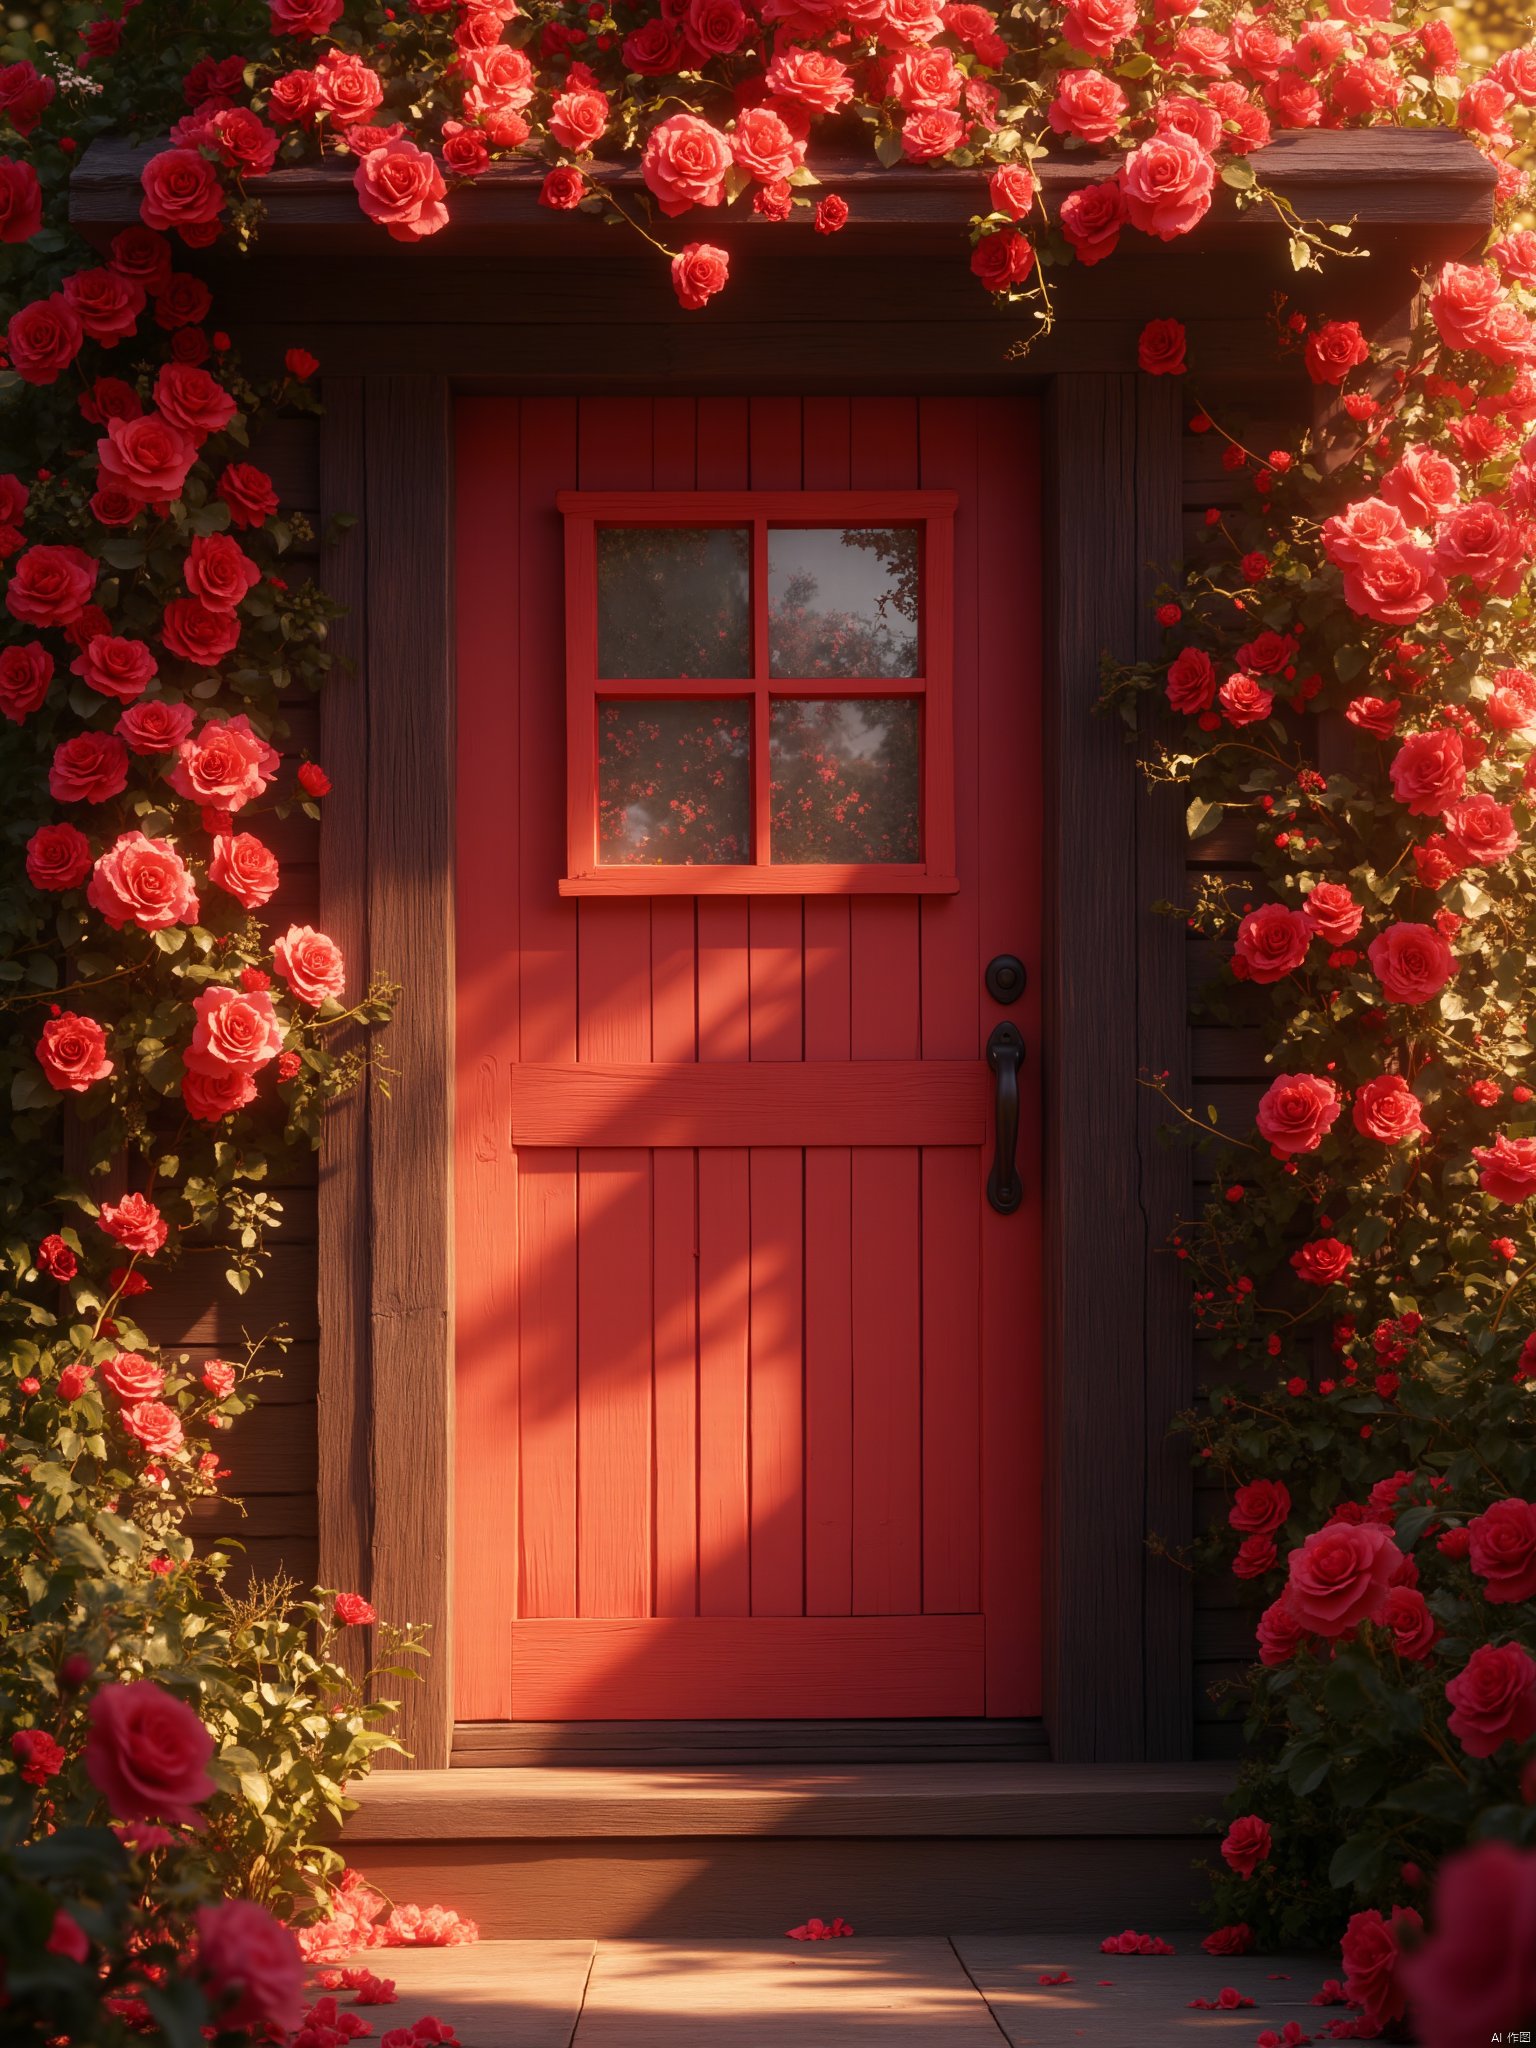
(968, 1991)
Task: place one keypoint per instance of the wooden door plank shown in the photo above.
(828, 1380)
(675, 428)
(1008, 554)
(776, 1434)
(887, 1383)
(676, 1367)
(725, 1254)
(824, 439)
(800, 1667)
(722, 462)
(775, 972)
(486, 1050)
(547, 1324)
(674, 1017)
(774, 429)
(613, 1467)
(951, 1391)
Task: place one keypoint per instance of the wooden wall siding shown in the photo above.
(808, 1312)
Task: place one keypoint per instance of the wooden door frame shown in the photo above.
(1117, 1618)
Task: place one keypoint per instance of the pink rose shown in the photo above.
(234, 1032)
(1247, 1844)
(1167, 182)
(154, 1427)
(133, 1377)
(1476, 1975)
(1364, 529)
(1395, 586)
(244, 868)
(685, 163)
(1372, 1952)
(144, 882)
(1503, 1551)
(134, 1223)
(699, 270)
(1332, 912)
(1272, 942)
(1512, 699)
(346, 88)
(577, 120)
(311, 964)
(218, 1376)
(401, 187)
(1244, 700)
(1087, 105)
(1296, 1112)
(1340, 1576)
(1412, 962)
(1423, 485)
(1387, 1110)
(1011, 189)
(72, 1052)
(812, 77)
(1507, 1168)
(1478, 541)
(1493, 1699)
(1260, 1507)
(763, 145)
(212, 1097)
(1464, 297)
(927, 137)
(1097, 26)
(1481, 831)
(147, 1754)
(251, 1967)
(1091, 220)
(225, 766)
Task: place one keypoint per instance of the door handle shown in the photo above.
(1005, 1055)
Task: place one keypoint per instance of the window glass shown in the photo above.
(674, 601)
(674, 781)
(844, 779)
(843, 601)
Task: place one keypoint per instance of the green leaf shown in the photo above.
(888, 148)
(1240, 176)
(1355, 1861)
(1201, 816)
(31, 1090)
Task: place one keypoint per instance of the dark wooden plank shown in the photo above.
(271, 1450)
(343, 1395)
(1218, 1053)
(195, 1305)
(408, 516)
(486, 1745)
(289, 450)
(1162, 1048)
(1096, 1238)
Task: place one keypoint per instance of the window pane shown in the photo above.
(842, 601)
(844, 779)
(673, 782)
(674, 601)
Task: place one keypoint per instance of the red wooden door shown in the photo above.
(748, 1383)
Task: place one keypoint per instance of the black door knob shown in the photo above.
(1006, 978)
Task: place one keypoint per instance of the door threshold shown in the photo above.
(529, 1744)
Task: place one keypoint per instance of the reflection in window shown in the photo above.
(674, 601)
(673, 782)
(844, 779)
(842, 601)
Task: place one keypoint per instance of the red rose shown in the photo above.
(1296, 1112)
(1236, 1940)
(147, 1754)
(250, 1966)
(1423, 485)
(1414, 1630)
(44, 338)
(1475, 1977)
(1465, 298)
(1256, 1555)
(143, 882)
(352, 1610)
(248, 493)
(1374, 715)
(1507, 1168)
(1191, 117)
(114, 667)
(577, 119)
(1332, 912)
(1341, 1576)
(1394, 585)
(219, 571)
(133, 1377)
(212, 1097)
(244, 143)
(1091, 219)
(234, 1032)
(1387, 1110)
(1412, 962)
(1272, 942)
(812, 77)
(1002, 259)
(1503, 1550)
(313, 779)
(1477, 541)
(21, 201)
(146, 458)
(563, 188)
(300, 364)
(58, 857)
(1011, 190)
(1160, 351)
(1372, 1954)
(1334, 350)
(1097, 26)
(1280, 1634)
(181, 190)
(157, 726)
(55, 1258)
(698, 273)
(831, 215)
(401, 187)
(193, 401)
(106, 303)
(198, 633)
(1191, 681)
(1244, 700)
(304, 17)
(1481, 831)
(685, 163)
(72, 1052)
(311, 964)
(1247, 1844)
(141, 254)
(26, 670)
(1323, 1262)
(927, 136)
(182, 301)
(1167, 182)
(1260, 1507)
(134, 1223)
(1493, 1698)
(90, 767)
(51, 585)
(346, 88)
(464, 150)
(1089, 105)
(244, 869)
(218, 1377)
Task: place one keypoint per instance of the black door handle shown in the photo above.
(1005, 1055)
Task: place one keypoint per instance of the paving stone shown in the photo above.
(496, 1994)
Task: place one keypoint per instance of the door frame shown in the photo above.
(1116, 1356)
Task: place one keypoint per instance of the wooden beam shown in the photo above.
(409, 526)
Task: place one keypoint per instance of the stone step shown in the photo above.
(541, 1854)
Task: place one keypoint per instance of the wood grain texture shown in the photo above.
(487, 1745)
(411, 925)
